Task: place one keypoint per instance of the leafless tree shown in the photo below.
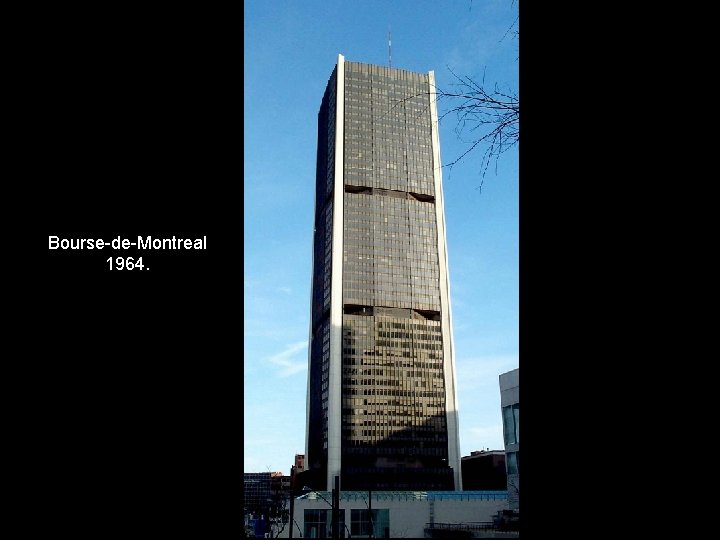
(487, 117)
(280, 514)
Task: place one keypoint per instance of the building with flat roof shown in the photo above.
(256, 492)
(381, 398)
(400, 514)
(484, 470)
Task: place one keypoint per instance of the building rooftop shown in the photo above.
(410, 495)
(510, 379)
(478, 453)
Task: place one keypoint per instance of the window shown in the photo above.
(511, 423)
(513, 463)
(361, 525)
(318, 524)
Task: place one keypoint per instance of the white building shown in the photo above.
(510, 404)
(397, 514)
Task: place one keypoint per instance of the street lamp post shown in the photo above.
(372, 525)
(292, 513)
(293, 493)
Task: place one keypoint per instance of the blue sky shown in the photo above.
(290, 50)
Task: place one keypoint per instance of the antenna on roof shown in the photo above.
(389, 47)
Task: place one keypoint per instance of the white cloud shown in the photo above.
(285, 359)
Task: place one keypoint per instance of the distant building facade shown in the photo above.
(510, 405)
(484, 470)
(382, 410)
(296, 470)
(279, 483)
(263, 492)
(256, 492)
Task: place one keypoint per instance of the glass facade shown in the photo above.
(511, 423)
(256, 492)
(394, 432)
(318, 524)
(321, 288)
(361, 526)
(513, 463)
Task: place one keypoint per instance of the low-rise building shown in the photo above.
(256, 492)
(400, 514)
(484, 470)
(264, 493)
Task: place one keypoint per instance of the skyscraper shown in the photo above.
(381, 408)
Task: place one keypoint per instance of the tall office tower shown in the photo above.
(382, 409)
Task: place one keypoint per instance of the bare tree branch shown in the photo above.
(485, 116)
